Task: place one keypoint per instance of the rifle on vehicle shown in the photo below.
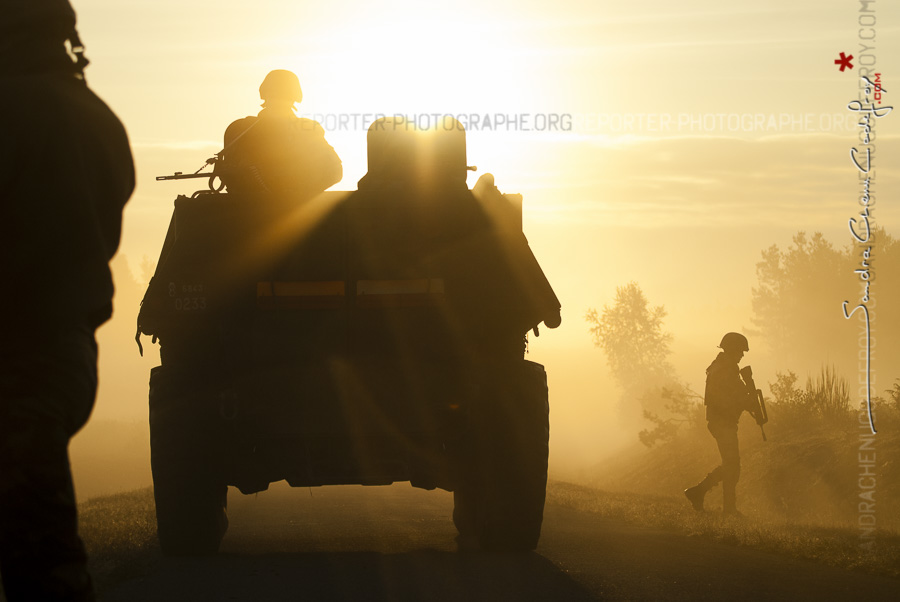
(178, 175)
(214, 161)
(757, 403)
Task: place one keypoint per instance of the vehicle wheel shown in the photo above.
(500, 498)
(190, 495)
(465, 518)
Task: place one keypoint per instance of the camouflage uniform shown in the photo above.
(65, 175)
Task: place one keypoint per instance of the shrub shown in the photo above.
(825, 399)
(683, 407)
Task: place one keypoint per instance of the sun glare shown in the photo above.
(396, 65)
(408, 63)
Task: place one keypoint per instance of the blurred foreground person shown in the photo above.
(65, 174)
(726, 398)
(278, 152)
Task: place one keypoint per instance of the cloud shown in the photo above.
(701, 180)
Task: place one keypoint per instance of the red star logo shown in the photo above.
(844, 62)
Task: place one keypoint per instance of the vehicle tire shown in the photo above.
(500, 497)
(465, 515)
(188, 489)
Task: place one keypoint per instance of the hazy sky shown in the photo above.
(698, 133)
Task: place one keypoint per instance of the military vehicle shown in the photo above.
(365, 337)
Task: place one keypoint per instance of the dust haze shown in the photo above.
(686, 215)
(594, 425)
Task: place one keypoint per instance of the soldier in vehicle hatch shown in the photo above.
(277, 152)
(726, 399)
(66, 173)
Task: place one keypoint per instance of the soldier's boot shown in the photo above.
(729, 506)
(696, 493)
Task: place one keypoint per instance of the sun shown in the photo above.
(410, 62)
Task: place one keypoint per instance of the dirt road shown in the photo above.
(397, 543)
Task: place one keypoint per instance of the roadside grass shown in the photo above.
(119, 532)
(837, 545)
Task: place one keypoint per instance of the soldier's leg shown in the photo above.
(731, 467)
(46, 394)
(696, 493)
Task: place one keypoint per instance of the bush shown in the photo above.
(825, 399)
(791, 403)
(683, 407)
(886, 410)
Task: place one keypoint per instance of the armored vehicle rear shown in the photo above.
(363, 337)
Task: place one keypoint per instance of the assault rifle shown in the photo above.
(757, 404)
(178, 175)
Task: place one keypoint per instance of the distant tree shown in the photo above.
(123, 372)
(129, 293)
(630, 332)
(148, 267)
(885, 291)
(799, 291)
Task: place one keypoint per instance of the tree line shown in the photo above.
(796, 314)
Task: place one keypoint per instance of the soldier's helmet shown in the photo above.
(52, 16)
(33, 35)
(734, 341)
(281, 84)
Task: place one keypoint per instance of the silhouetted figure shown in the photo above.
(726, 399)
(278, 152)
(66, 173)
(416, 161)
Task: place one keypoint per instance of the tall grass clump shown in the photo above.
(829, 395)
(824, 399)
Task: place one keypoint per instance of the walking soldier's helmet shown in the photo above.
(734, 341)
